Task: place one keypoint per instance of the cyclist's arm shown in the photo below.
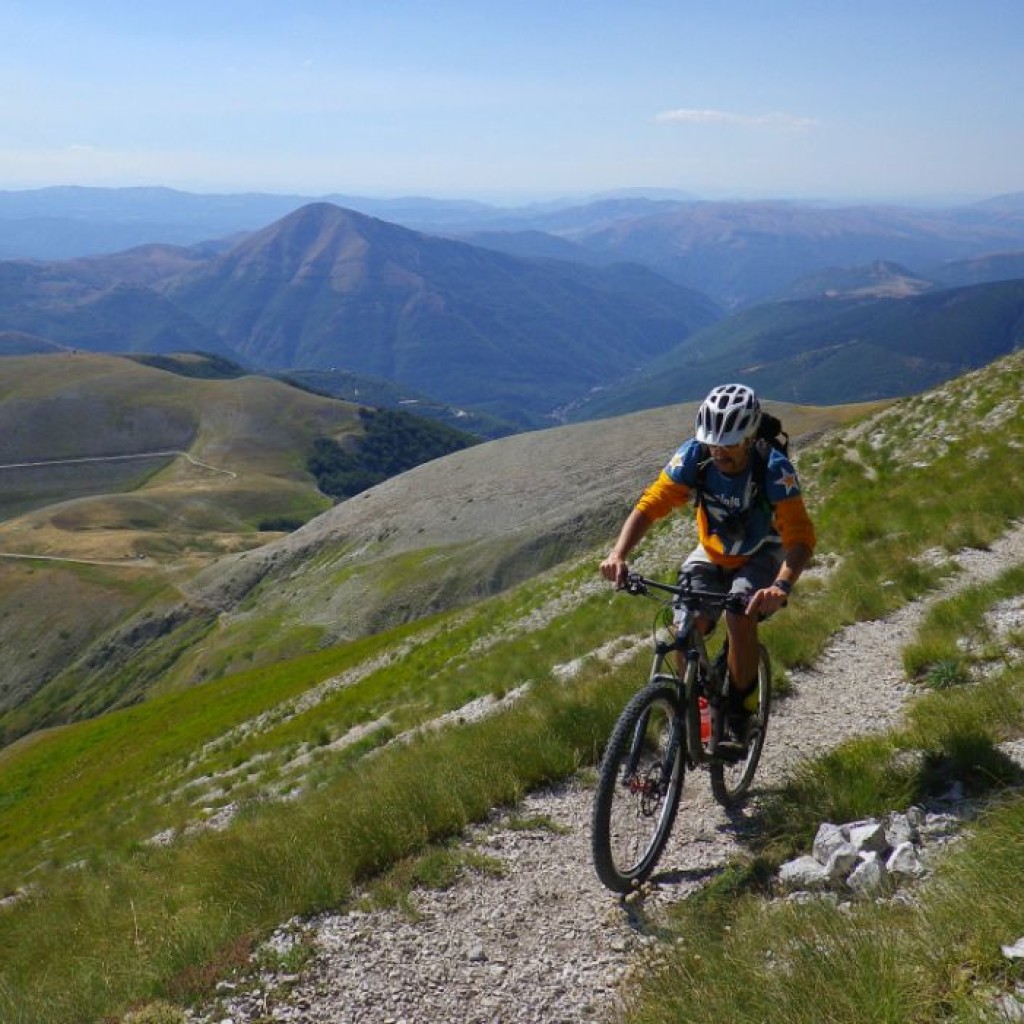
(615, 566)
(794, 525)
(657, 501)
(773, 597)
(794, 563)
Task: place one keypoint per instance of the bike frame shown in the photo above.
(697, 678)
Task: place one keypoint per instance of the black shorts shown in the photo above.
(758, 572)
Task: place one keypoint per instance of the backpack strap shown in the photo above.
(699, 487)
(759, 453)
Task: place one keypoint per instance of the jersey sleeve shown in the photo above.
(786, 496)
(674, 485)
(794, 524)
(781, 480)
(662, 496)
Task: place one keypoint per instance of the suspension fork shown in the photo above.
(638, 741)
(631, 762)
(689, 692)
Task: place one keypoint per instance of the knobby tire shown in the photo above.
(636, 803)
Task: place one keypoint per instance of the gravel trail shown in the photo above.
(543, 941)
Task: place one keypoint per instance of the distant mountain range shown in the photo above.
(329, 287)
(739, 253)
(326, 287)
(534, 321)
(743, 253)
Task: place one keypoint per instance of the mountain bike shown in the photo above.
(660, 734)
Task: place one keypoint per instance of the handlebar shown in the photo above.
(684, 594)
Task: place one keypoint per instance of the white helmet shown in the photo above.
(729, 415)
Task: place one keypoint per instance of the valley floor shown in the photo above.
(534, 937)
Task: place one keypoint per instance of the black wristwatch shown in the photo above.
(785, 586)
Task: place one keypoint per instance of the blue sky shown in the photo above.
(510, 102)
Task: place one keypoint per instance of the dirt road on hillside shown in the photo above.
(541, 940)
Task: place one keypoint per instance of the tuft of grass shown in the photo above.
(941, 636)
(159, 1012)
(535, 823)
(946, 673)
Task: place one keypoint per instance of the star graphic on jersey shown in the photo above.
(789, 481)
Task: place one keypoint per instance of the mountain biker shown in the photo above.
(750, 544)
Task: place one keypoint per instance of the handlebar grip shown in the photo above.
(634, 584)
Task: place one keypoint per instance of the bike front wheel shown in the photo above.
(730, 783)
(638, 788)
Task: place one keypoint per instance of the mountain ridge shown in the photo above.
(531, 340)
(843, 348)
(690, 239)
(326, 286)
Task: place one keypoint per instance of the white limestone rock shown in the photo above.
(869, 877)
(905, 862)
(803, 873)
(828, 839)
(867, 836)
(842, 861)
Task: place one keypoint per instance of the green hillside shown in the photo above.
(244, 427)
(106, 525)
(441, 536)
(830, 350)
(160, 840)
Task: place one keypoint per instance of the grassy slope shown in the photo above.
(87, 794)
(171, 517)
(252, 427)
(442, 536)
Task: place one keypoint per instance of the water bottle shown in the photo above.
(705, 719)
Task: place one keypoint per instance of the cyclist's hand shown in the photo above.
(614, 568)
(766, 602)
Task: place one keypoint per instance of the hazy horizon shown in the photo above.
(526, 199)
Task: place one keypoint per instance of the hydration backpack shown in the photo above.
(771, 435)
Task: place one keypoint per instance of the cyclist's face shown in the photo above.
(730, 458)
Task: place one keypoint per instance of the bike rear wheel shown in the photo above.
(730, 783)
(639, 787)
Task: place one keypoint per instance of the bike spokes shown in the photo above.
(638, 792)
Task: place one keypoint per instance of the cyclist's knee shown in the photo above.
(741, 627)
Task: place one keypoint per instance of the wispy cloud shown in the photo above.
(786, 122)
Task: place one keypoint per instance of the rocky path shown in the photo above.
(535, 937)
